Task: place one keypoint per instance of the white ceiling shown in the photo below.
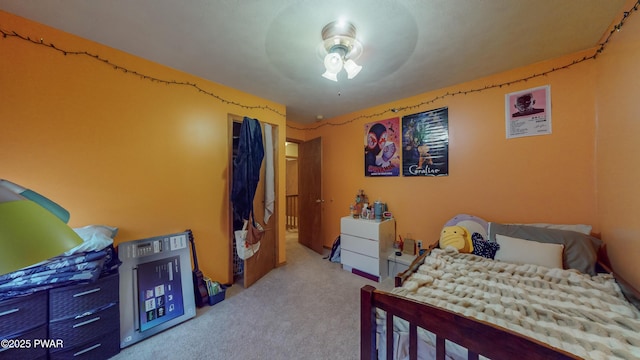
(269, 48)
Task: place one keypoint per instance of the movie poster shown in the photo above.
(425, 143)
(382, 147)
(528, 112)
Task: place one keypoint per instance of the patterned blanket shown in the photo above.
(58, 271)
(584, 315)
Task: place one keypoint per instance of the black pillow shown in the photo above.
(484, 248)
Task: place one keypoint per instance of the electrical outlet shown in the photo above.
(419, 242)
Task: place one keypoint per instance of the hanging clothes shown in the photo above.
(269, 187)
(246, 167)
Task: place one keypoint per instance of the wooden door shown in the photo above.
(264, 260)
(310, 194)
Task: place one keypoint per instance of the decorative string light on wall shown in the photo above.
(105, 61)
(417, 106)
(600, 49)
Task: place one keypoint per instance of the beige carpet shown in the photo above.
(306, 309)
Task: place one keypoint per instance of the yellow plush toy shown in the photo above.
(458, 237)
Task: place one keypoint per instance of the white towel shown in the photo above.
(269, 190)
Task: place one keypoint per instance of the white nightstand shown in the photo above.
(398, 264)
(364, 245)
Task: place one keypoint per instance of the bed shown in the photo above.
(85, 263)
(40, 251)
(456, 305)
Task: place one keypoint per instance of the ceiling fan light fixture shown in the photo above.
(331, 76)
(352, 68)
(341, 49)
(333, 62)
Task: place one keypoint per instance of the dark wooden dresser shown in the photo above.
(23, 320)
(81, 321)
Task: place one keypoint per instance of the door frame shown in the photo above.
(230, 119)
(297, 142)
(274, 228)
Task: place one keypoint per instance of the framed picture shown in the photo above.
(381, 148)
(425, 143)
(528, 112)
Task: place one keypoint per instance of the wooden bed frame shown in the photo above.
(477, 336)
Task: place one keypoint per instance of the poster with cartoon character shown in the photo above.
(381, 148)
(528, 112)
(425, 143)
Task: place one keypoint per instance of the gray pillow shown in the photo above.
(580, 250)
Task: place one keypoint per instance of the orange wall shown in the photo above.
(150, 158)
(618, 152)
(532, 179)
(297, 131)
(120, 150)
(557, 178)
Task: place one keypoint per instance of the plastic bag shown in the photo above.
(244, 249)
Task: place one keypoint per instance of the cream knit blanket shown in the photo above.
(584, 315)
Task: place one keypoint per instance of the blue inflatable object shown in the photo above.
(46, 203)
(32, 228)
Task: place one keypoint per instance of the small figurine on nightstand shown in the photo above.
(364, 214)
(361, 199)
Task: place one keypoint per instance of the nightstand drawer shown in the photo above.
(359, 245)
(396, 268)
(361, 262)
(398, 264)
(23, 313)
(367, 229)
(70, 301)
(77, 331)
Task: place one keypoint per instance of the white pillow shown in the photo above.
(95, 237)
(521, 251)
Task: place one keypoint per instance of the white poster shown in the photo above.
(528, 112)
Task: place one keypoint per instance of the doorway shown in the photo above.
(246, 272)
(292, 208)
